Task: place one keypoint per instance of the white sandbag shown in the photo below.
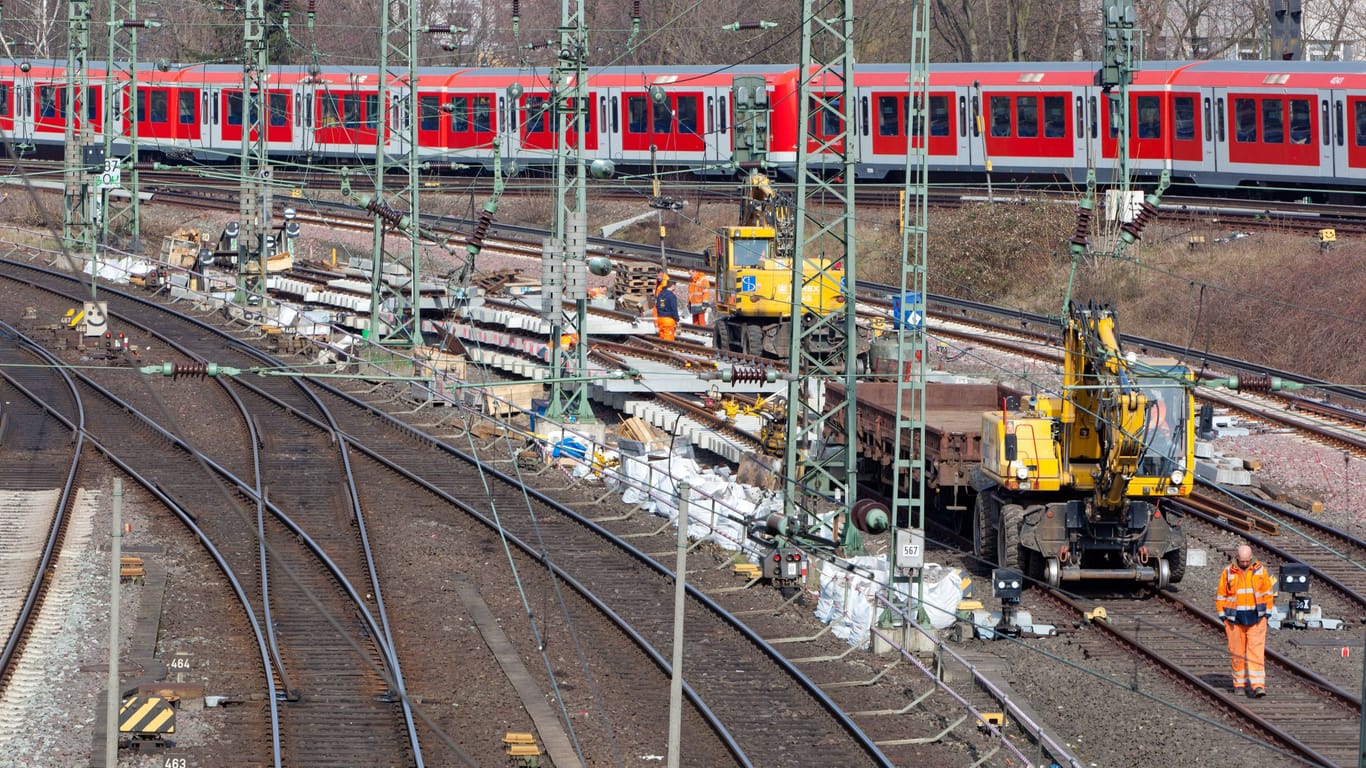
(943, 593)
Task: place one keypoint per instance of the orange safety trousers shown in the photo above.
(1247, 649)
(665, 326)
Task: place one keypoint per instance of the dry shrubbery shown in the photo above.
(1271, 297)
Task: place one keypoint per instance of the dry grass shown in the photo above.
(1274, 297)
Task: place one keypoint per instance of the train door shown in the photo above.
(308, 139)
(400, 111)
(8, 111)
(21, 98)
(717, 145)
(1206, 132)
(507, 132)
(1344, 116)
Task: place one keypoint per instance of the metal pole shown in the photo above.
(680, 582)
(1361, 733)
(111, 709)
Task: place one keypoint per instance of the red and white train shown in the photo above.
(1299, 127)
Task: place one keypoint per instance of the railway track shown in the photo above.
(38, 477)
(1312, 720)
(531, 520)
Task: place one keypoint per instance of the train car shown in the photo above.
(1275, 127)
(1293, 127)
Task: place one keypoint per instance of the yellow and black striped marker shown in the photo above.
(146, 715)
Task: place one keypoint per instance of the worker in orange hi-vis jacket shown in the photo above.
(700, 296)
(666, 307)
(1244, 603)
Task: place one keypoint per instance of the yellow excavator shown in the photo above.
(754, 263)
(1070, 485)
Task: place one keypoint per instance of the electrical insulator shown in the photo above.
(1256, 382)
(189, 370)
(481, 229)
(385, 211)
(516, 9)
(741, 375)
(1081, 235)
(1146, 213)
(635, 9)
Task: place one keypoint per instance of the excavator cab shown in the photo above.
(754, 261)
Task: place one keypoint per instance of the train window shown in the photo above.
(372, 112)
(1027, 117)
(824, 117)
(915, 116)
(863, 115)
(213, 100)
(602, 110)
(962, 116)
(939, 115)
(616, 125)
(663, 120)
(140, 114)
(350, 110)
(47, 101)
(1183, 117)
(1219, 106)
(1273, 121)
(460, 115)
(536, 108)
(1323, 120)
(157, 100)
(185, 102)
(636, 111)
(429, 113)
(4, 99)
(308, 110)
(1054, 117)
(1359, 123)
(1208, 121)
(721, 115)
(483, 114)
(687, 115)
(1148, 117)
(92, 104)
(1093, 119)
(1299, 121)
(298, 112)
(279, 109)
(1000, 116)
(234, 105)
(887, 116)
(1244, 120)
(711, 110)
(331, 108)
